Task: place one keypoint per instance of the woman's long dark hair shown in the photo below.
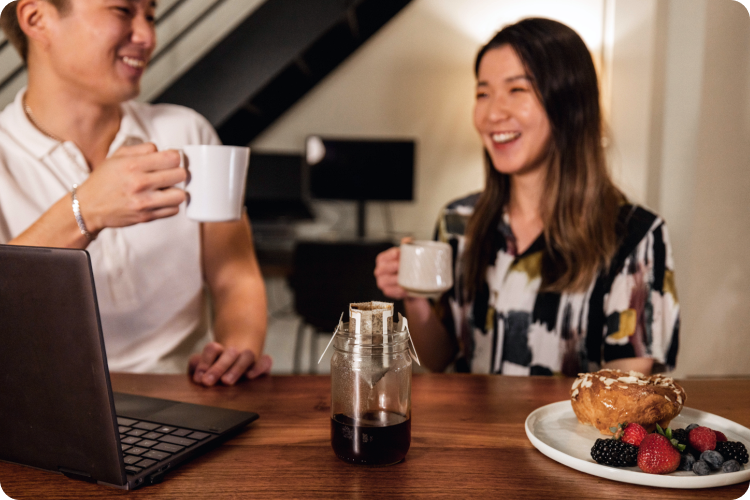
(581, 203)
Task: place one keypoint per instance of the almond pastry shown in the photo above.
(608, 397)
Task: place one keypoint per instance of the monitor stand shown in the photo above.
(361, 219)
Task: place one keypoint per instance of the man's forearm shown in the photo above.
(241, 316)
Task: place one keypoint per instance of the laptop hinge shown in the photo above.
(74, 474)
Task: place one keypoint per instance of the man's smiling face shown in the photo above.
(102, 47)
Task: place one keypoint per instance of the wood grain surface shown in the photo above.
(468, 441)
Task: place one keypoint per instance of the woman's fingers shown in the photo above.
(386, 273)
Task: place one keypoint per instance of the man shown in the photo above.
(82, 166)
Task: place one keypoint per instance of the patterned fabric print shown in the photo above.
(514, 329)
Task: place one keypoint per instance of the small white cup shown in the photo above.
(425, 268)
(216, 181)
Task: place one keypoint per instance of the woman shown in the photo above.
(555, 271)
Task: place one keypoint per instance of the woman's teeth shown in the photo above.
(504, 137)
(134, 63)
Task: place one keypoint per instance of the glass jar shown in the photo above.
(371, 397)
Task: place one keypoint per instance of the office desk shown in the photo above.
(468, 441)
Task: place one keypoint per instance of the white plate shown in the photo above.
(555, 431)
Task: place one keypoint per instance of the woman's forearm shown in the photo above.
(435, 346)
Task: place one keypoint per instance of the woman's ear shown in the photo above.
(33, 18)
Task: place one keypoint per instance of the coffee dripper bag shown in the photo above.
(370, 323)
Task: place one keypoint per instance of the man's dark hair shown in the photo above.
(10, 25)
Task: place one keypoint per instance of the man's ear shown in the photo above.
(34, 17)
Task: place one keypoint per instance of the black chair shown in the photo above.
(326, 277)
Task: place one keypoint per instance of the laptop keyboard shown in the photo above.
(145, 443)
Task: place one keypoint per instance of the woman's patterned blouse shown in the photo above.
(512, 328)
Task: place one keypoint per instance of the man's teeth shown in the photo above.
(135, 63)
(504, 137)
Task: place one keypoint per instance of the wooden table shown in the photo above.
(468, 441)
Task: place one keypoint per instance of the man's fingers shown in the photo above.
(261, 367)
(227, 365)
(151, 161)
(135, 150)
(193, 363)
(159, 160)
(240, 366)
(165, 178)
(220, 366)
(211, 351)
(162, 198)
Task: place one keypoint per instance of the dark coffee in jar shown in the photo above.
(377, 438)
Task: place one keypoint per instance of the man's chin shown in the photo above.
(131, 93)
(124, 93)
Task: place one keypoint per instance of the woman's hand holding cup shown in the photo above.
(415, 269)
(386, 272)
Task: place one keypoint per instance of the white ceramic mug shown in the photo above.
(425, 268)
(216, 181)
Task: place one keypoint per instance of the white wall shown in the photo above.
(681, 128)
(676, 77)
(716, 203)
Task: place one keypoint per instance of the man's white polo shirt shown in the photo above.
(149, 278)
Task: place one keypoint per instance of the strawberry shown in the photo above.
(657, 455)
(720, 436)
(702, 439)
(634, 434)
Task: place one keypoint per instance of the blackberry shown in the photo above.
(614, 453)
(732, 450)
(681, 435)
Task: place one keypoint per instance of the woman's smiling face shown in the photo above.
(508, 114)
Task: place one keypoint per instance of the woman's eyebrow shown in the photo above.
(511, 79)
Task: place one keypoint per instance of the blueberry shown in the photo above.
(712, 458)
(687, 461)
(701, 468)
(691, 427)
(731, 466)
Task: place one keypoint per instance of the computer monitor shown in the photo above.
(360, 169)
(276, 187)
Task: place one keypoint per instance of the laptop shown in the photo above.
(58, 411)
